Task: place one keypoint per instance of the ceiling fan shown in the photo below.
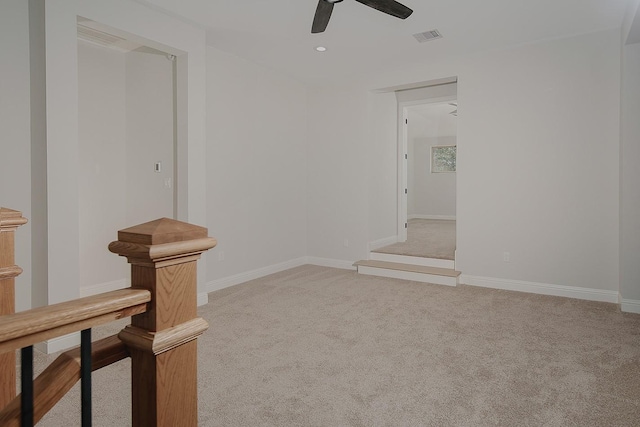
(325, 7)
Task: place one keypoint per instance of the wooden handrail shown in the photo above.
(39, 324)
(60, 376)
(10, 220)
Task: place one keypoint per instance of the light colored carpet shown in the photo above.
(426, 238)
(315, 346)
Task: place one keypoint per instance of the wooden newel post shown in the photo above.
(162, 342)
(10, 220)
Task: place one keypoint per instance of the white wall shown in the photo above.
(256, 167)
(429, 194)
(125, 125)
(15, 142)
(542, 185)
(53, 250)
(149, 136)
(102, 186)
(629, 160)
(338, 178)
(538, 163)
(139, 23)
(380, 151)
(631, 23)
(38, 166)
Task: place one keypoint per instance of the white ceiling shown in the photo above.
(277, 33)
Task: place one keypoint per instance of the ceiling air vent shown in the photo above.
(428, 36)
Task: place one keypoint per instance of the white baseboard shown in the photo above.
(203, 298)
(104, 287)
(236, 279)
(541, 288)
(630, 306)
(333, 263)
(57, 344)
(417, 216)
(381, 243)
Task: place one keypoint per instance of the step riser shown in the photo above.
(403, 259)
(408, 275)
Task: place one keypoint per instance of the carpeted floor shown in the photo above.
(315, 346)
(426, 238)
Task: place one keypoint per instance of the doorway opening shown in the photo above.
(429, 196)
(427, 148)
(127, 144)
(426, 204)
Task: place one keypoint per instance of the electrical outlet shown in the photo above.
(221, 256)
(346, 243)
(506, 257)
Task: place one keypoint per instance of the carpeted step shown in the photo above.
(419, 273)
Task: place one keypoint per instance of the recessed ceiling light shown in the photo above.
(321, 48)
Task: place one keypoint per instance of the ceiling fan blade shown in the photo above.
(321, 18)
(390, 7)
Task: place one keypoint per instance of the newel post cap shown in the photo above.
(10, 219)
(161, 240)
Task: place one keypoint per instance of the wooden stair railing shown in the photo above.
(10, 220)
(39, 324)
(161, 340)
(60, 376)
